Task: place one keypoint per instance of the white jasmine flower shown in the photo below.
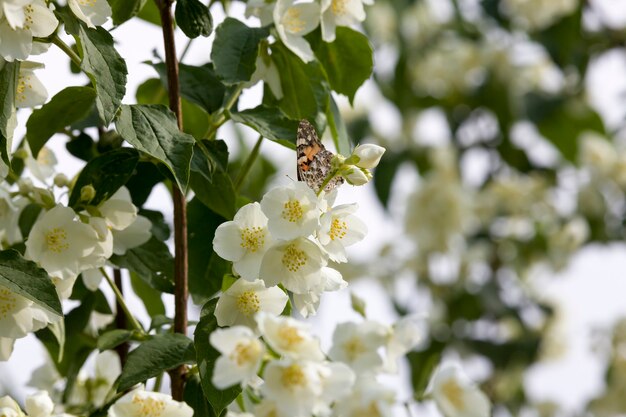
(406, 333)
(243, 300)
(337, 381)
(141, 403)
(241, 356)
(244, 240)
(20, 21)
(41, 167)
(119, 210)
(368, 155)
(138, 233)
(598, 154)
(267, 408)
(30, 91)
(538, 14)
(262, 9)
(367, 397)
(295, 387)
(6, 348)
(293, 21)
(292, 211)
(341, 13)
(331, 280)
(355, 175)
(289, 337)
(267, 71)
(357, 345)
(64, 246)
(235, 414)
(39, 405)
(457, 396)
(9, 407)
(92, 12)
(9, 219)
(338, 229)
(296, 264)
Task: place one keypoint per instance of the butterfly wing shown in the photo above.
(314, 160)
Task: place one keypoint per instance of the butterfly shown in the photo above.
(314, 160)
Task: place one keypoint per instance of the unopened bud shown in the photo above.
(61, 180)
(368, 155)
(356, 176)
(25, 185)
(87, 193)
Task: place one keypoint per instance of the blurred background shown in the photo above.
(497, 213)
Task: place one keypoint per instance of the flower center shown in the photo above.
(23, 84)
(8, 302)
(294, 258)
(56, 239)
(354, 348)
(292, 211)
(253, 238)
(339, 7)
(338, 229)
(454, 393)
(292, 21)
(246, 352)
(290, 336)
(293, 377)
(248, 303)
(4, 208)
(88, 3)
(149, 407)
(28, 17)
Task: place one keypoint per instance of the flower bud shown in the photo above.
(39, 405)
(61, 180)
(25, 185)
(368, 155)
(87, 193)
(356, 176)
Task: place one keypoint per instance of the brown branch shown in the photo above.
(177, 375)
(120, 318)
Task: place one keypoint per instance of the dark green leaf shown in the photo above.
(106, 70)
(152, 357)
(194, 18)
(271, 123)
(151, 298)
(385, 173)
(140, 185)
(422, 366)
(305, 88)
(205, 268)
(28, 216)
(160, 228)
(152, 262)
(206, 356)
(152, 129)
(106, 174)
(114, 338)
(66, 107)
(348, 60)
(123, 10)
(82, 147)
(4, 154)
(338, 128)
(235, 50)
(195, 398)
(25, 278)
(9, 75)
(150, 13)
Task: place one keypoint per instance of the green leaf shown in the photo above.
(153, 129)
(151, 358)
(305, 88)
(194, 18)
(385, 173)
(235, 50)
(106, 173)
(106, 70)
(338, 128)
(28, 217)
(25, 278)
(82, 146)
(124, 10)
(206, 269)
(5, 151)
(150, 13)
(199, 85)
(152, 262)
(348, 60)
(206, 356)
(140, 185)
(195, 398)
(209, 179)
(271, 123)
(66, 107)
(9, 75)
(151, 298)
(113, 338)
(422, 366)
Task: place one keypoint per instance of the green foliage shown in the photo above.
(271, 123)
(193, 18)
(106, 174)
(150, 297)
(206, 356)
(155, 356)
(235, 50)
(152, 129)
(66, 107)
(124, 10)
(25, 278)
(9, 74)
(113, 338)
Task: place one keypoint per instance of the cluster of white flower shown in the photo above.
(298, 379)
(538, 14)
(62, 242)
(37, 405)
(293, 20)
